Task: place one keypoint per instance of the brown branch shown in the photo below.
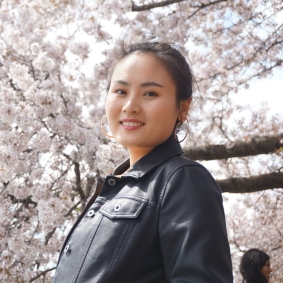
(25, 201)
(137, 8)
(78, 187)
(61, 176)
(235, 242)
(99, 184)
(72, 208)
(203, 6)
(78, 180)
(64, 101)
(12, 85)
(49, 235)
(41, 274)
(251, 184)
(277, 248)
(258, 145)
(89, 184)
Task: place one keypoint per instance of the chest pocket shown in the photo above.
(114, 231)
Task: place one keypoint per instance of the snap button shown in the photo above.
(90, 213)
(111, 182)
(117, 207)
(67, 249)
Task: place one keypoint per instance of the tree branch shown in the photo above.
(49, 235)
(78, 187)
(202, 6)
(136, 8)
(42, 274)
(258, 145)
(89, 185)
(251, 184)
(72, 208)
(78, 179)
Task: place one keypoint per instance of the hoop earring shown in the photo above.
(175, 131)
(102, 129)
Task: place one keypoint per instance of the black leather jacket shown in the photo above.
(162, 221)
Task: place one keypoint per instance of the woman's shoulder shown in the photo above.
(182, 161)
(193, 182)
(184, 168)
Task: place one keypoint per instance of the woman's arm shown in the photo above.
(192, 228)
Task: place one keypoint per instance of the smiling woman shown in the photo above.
(141, 106)
(255, 266)
(159, 216)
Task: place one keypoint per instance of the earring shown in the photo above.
(175, 131)
(102, 129)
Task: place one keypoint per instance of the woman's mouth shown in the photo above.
(132, 124)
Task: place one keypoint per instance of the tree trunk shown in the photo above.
(251, 184)
(137, 8)
(258, 145)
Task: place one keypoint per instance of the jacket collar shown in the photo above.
(153, 159)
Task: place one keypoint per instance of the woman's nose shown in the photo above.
(132, 105)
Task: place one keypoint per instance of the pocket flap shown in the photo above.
(123, 207)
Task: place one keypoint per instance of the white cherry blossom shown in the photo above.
(54, 60)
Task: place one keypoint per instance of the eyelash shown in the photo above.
(152, 94)
(120, 91)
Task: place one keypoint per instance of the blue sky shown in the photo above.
(269, 90)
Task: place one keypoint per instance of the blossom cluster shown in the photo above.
(54, 59)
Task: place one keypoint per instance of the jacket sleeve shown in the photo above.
(192, 228)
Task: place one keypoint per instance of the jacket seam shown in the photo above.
(73, 229)
(116, 251)
(171, 173)
(85, 252)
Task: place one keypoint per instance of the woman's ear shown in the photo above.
(184, 109)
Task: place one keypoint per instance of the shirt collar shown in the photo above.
(153, 159)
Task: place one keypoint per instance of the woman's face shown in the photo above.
(266, 270)
(141, 106)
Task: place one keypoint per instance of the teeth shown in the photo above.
(132, 124)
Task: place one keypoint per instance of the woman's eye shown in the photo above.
(150, 94)
(120, 91)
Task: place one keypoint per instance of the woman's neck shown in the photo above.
(137, 153)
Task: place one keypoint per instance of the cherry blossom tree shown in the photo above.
(54, 57)
(255, 220)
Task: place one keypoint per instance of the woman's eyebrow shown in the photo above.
(150, 84)
(122, 82)
(146, 84)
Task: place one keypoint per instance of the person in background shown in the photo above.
(159, 216)
(255, 266)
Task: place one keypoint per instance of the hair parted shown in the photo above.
(170, 54)
(250, 265)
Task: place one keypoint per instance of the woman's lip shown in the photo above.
(131, 124)
(131, 120)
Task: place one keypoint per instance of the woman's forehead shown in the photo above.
(142, 66)
(137, 57)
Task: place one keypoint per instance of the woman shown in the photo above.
(159, 216)
(255, 266)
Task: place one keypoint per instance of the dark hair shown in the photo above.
(170, 54)
(250, 265)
